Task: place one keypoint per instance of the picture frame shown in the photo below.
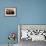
(10, 11)
(39, 28)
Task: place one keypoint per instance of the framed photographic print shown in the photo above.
(33, 32)
(10, 11)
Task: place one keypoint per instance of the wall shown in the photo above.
(28, 12)
(33, 12)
